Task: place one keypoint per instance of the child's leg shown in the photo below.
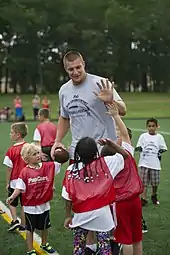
(13, 212)
(137, 248)
(22, 216)
(144, 194)
(29, 236)
(44, 236)
(154, 190)
(128, 250)
(103, 239)
(79, 241)
(155, 180)
(91, 241)
(145, 177)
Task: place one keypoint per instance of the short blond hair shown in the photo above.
(20, 128)
(71, 56)
(28, 150)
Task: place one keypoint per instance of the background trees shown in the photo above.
(124, 40)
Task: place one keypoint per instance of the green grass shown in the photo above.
(138, 104)
(156, 241)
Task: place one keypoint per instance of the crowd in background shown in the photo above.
(7, 113)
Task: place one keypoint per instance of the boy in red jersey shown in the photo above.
(15, 164)
(36, 184)
(128, 187)
(45, 132)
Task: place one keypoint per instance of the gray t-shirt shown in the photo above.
(86, 112)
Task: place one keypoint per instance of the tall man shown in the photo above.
(82, 104)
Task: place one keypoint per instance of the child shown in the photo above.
(15, 164)
(128, 187)
(88, 191)
(45, 133)
(151, 145)
(46, 103)
(36, 183)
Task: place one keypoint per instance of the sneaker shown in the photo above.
(31, 252)
(155, 200)
(144, 227)
(88, 251)
(47, 248)
(22, 228)
(14, 225)
(144, 202)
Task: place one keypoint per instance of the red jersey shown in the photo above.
(45, 104)
(127, 183)
(39, 184)
(14, 155)
(48, 132)
(92, 195)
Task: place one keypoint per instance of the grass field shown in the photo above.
(156, 241)
(138, 104)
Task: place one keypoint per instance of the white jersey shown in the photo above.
(86, 112)
(151, 144)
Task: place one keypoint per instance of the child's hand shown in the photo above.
(44, 157)
(7, 187)
(67, 222)
(103, 142)
(112, 109)
(9, 200)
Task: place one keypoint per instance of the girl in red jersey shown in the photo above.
(88, 191)
(128, 187)
(36, 184)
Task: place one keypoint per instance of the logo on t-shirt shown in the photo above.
(78, 107)
(38, 179)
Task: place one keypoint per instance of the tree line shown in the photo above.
(127, 41)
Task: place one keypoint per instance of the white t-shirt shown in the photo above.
(100, 219)
(87, 113)
(150, 144)
(128, 147)
(39, 209)
(37, 136)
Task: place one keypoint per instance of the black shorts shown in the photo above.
(15, 201)
(37, 221)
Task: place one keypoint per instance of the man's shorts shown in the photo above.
(129, 221)
(37, 221)
(149, 175)
(15, 201)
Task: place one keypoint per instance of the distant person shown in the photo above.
(45, 132)
(18, 107)
(36, 106)
(151, 145)
(45, 103)
(15, 164)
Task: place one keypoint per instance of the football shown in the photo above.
(61, 155)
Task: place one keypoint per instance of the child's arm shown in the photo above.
(113, 111)
(8, 175)
(68, 219)
(13, 196)
(114, 146)
(139, 144)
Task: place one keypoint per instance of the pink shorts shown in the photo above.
(129, 221)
